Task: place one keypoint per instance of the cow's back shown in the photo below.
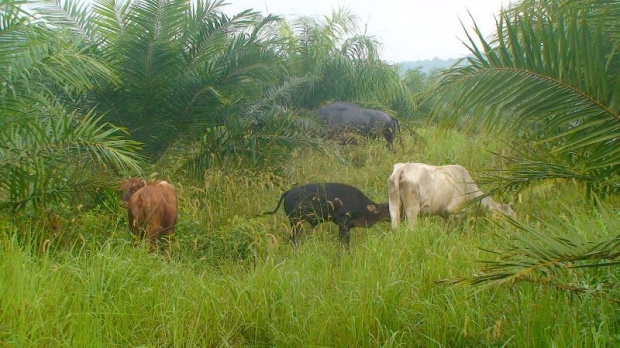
(344, 116)
(303, 200)
(437, 189)
(323, 199)
(319, 202)
(153, 209)
(378, 119)
(461, 181)
(421, 182)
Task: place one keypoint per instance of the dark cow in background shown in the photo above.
(151, 208)
(343, 117)
(342, 204)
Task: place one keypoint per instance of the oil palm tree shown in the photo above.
(186, 75)
(181, 66)
(549, 82)
(342, 63)
(49, 147)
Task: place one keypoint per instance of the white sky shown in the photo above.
(408, 29)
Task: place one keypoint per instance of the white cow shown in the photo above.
(434, 190)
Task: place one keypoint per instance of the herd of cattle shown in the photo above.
(414, 188)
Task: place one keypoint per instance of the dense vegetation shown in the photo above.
(221, 106)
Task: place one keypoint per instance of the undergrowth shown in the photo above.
(73, 276)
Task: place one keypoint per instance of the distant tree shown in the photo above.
(427, 65)
(416, 79)
(417, 82)
(342, 63)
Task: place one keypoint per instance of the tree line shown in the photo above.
(103, 86)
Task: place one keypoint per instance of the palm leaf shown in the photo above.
(543, 254)
(43, 158)
(263, 134)
(68, 14)
(549, 78)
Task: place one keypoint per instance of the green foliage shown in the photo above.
(549, 82)
(182, 66)
(344, 64)
(422, 87)
(242, 241)
(541, 253)
(51, 149)
(550, 79)
(223, 91)
(258, 135)
(184, 72)
(50, 161)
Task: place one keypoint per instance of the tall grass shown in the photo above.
(235, 281)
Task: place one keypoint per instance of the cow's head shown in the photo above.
(508, 211)
(129, 187)
(378, 212)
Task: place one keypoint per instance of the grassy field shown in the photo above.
(76, 279)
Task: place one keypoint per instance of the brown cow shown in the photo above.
(151, 208)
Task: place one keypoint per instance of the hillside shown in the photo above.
(427, 65)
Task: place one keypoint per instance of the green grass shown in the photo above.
(77, 280)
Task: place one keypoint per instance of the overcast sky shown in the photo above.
(408, 29)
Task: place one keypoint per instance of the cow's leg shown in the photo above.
(151, 237)
(132, 224)
(455, 219)
(454, 215)
(343, 233)
(388, 133)
(411, 203)
(412, 211)
(395, 203)
(153, 230)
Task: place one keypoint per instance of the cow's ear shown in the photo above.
(372, 208)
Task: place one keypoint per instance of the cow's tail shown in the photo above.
(277, 206)
(394, 198)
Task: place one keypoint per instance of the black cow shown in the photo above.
(343, 117)
(342, 204)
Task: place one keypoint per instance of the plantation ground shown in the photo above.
(76, 280)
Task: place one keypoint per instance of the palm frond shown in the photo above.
(42, 157)
(549, 78)
(259, 135)
(545, 254)
(69, 15)
(111, 18)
